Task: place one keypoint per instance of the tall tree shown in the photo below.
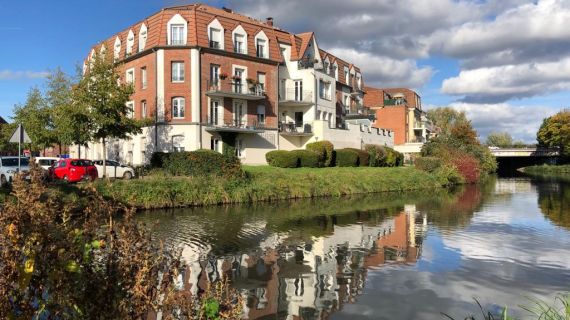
(555, 132)
(34, 115)
(102, 92)
(499, 139)
(446, 118)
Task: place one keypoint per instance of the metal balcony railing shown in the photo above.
(306, 64)
(236, 87)
(395, 102)
(296, 127)
(234, 123)
(296, 94)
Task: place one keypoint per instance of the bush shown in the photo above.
(391, 157)
(346, 158)
(158, 158)
(363, 157)
(467, 166)
(282, 159)
(377, 155)
(201, 163)
(306, 158)
(325, 151)
(428, 164)
(449, 175)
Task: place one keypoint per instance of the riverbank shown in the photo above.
(266, 183)
(548, 170)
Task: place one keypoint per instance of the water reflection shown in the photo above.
(554, 200)
(392, 256)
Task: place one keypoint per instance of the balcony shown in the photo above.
(307, 64)
(215, 124)
(235, 89)
(359, 111)
(292, 97)
(298, 129)
(395, 102)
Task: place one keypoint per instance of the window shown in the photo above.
(346, 75)
(178, 143)
(143, 77)
(260, 114)
(298, 90)
(214, 112)
(260, 88)
(335, 70)
(240, 148)
(215, 144)
(238, 78)
(178, 107)
(239, 43)
(117, 49)
(143, 109)
(347, 102)
(130, 76)
(177, 71)
(130, 109)
(325, 90)
(215, 38)
(214, 74)
(142, 37)
(177, 34)
(260, 45)
(130, 42)
(359, 80)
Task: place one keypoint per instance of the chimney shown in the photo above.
(269, 21)
(227, 10)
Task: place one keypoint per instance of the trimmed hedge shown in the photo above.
(347, 158)
(198, 163)
(306, 158)
(282, 159)
(377, 155)
(428, 164)
(325, 151)
(363, 157)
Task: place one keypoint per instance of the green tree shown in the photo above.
(499, 139)
(105, 96)
(34, 115)
(555, 132)
(446, 118)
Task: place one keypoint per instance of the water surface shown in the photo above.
(382, 256)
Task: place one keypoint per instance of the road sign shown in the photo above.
(20, 135)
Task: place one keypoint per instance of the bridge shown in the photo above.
(511, 159)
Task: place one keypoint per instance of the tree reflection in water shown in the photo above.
(554, 200)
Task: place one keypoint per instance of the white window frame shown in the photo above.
(214, 113)
(144, 78)
(144, 110)
(335, 69)
(143, 35)
(262, 36)
(346, 75)
(131, 111)
(239, 30)
(298, 92)
(216, 25)
(103, 50)
(261, 118)
(177, 20)
(180, 72)
(240, 148)
(117, 49)
(176, 101)
(130, 42)
(359, 80)
(132, 72)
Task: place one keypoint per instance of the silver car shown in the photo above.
(9, 167)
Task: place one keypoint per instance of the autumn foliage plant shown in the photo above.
(62, 260)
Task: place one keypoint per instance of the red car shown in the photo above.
(74, 170)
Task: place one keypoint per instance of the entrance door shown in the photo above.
(239, 116)
(214, 109)
(298, 90)
(238, 74)
(298, 119)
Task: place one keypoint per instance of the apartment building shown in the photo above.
(210, 77)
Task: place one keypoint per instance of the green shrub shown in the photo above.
(325, 151)
(377, 154)
(428, 164)
(282, 159)
(157, 159)
(203, 163)
(347, 158)
(306, 158)
(363, 156)
(448, 175)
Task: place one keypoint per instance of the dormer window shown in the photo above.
(346, 76)
(142, 37)
(215, 38)
(261, 48)
(117, 49)
(177, 34)
(239, 43)
(262, 45)
(130, 42)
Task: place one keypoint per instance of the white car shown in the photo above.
(9, 167)
(114, 169)
(45, 162)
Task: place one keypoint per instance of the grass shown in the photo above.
(548, 170)
(265, 183)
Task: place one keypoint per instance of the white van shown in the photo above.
(45, 162)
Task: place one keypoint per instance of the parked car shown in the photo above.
(9, 167)
(74, 170)
(114, 169)
(46, 162)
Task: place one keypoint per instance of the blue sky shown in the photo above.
(470, 59)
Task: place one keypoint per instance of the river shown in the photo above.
(383, 256)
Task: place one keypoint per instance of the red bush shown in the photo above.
(467, 166)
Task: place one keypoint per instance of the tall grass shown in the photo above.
(265, 183)
(548, 169)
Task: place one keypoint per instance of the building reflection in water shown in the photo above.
(290, 278)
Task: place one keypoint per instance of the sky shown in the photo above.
(506, 63)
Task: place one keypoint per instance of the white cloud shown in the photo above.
(16, 75)
(521, 122)
(384, 71)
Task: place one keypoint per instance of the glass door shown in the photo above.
(298, 90)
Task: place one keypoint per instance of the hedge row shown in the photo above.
(197, 163)
(428, 164)
(322, 154)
